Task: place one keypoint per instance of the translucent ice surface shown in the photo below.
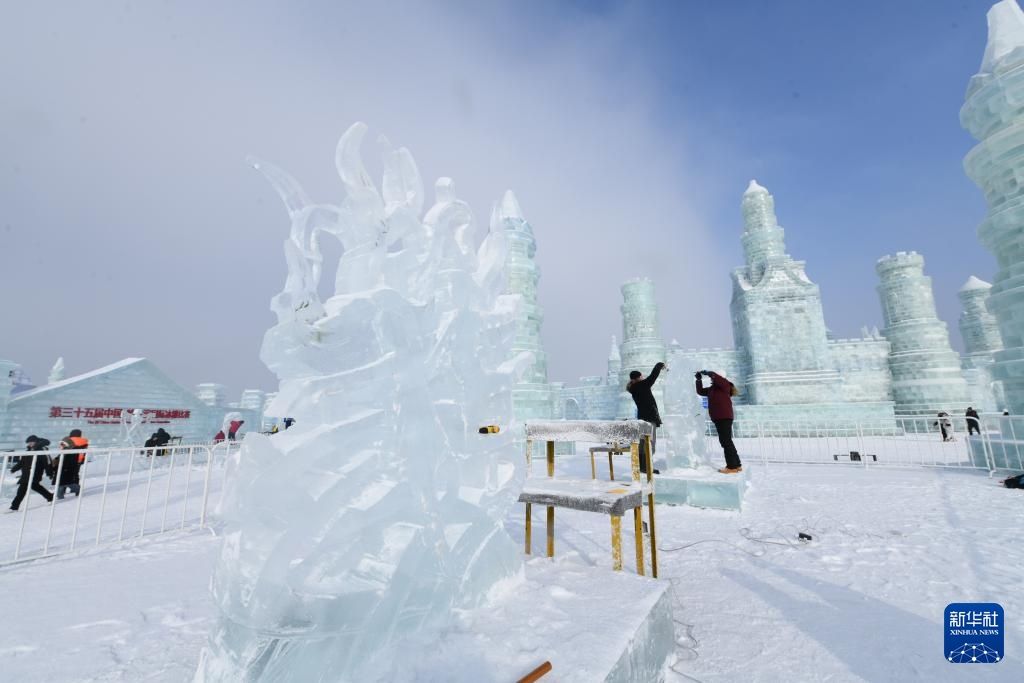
(351, 537)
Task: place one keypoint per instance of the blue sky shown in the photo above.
(628, 131)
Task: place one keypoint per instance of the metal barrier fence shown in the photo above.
(990, 443)
(123, 493)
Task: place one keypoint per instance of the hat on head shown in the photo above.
(635, 374)
(32, 438)
(75, 432)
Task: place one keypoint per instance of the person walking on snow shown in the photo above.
(65, 469)
(639, 388)
(973, 423)
(720, 395)
(944, 425)
(32, 468)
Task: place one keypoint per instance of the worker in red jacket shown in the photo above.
(720, 395)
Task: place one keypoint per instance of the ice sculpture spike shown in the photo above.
(1005, 33)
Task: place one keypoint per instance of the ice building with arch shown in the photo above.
(94, 402)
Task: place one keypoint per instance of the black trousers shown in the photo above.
(23, 491)
(972, 426)
(643, 449)
(724, 428)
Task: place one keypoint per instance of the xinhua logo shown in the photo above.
(974, 633)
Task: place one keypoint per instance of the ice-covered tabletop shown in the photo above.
(610, 497)
(622, 431)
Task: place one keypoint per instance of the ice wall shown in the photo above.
(351, 537)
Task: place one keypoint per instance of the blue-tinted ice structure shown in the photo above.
(926, 374)
(531, 396)
(980, 332)
(351, 537)
(992, 113)
(642, 344)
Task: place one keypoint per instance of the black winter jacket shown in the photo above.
(646, 405)
(25, 462)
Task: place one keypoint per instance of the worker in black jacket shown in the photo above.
(639, 388)
(32, 468)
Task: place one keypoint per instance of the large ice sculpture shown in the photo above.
(992, 114)
(351, 537)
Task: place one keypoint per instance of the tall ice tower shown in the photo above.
(980, 333)
(642, 345)
(531, 397)
(777, 318)
(926, 375)
(994, 115)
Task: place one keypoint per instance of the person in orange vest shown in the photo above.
(67, 466)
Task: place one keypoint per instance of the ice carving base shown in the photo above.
(601, 626)
(704, 487)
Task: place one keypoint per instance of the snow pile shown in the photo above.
(351, 537)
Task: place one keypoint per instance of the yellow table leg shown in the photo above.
(551, 458)
(551, 531)
(529, 528)
(650, 509)
(617, 543)
(639, 531)
(611, 467)
(634, 457)
(529, 457)
(593, 469)
(654, 539)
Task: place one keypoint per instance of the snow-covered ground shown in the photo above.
(862, 601)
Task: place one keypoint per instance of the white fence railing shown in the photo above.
(994, 442)
(124, 493)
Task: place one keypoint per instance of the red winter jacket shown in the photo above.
(719, 396)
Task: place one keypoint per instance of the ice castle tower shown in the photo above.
(777, 315)
(531, 397)
(980, 333)
(642, 344)
(993, 114)
(926, 376)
